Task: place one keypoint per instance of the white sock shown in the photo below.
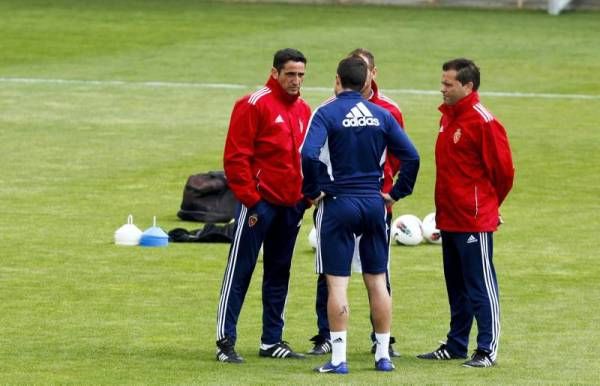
(266, 346)
(338, 347)
(383, 346)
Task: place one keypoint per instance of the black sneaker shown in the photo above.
(226, 352)
(280, 350)
(441, 354)
(393, 353)
(322, 345)
(479, 359)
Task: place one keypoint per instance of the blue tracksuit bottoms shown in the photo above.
(322, 292)
(275, 228)
(472, 291)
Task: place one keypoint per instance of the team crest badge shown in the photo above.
(252, 220)
(457, 135)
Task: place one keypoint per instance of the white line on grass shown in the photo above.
(158, 84)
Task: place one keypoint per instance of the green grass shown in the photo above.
(78, 158)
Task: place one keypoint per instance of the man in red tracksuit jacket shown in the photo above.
(474, 173)
(262, 166)
(321, 341)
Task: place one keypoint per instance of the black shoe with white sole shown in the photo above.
(479, 359)
(440, 354)
(280, 350)
(226, 352)
(321, 346)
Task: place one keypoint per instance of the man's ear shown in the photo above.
(468, 86)
(338, 85)
(374, 73)
(274, 73)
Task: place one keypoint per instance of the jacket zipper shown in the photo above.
(258, 180)
(295, 159)
(476, 202)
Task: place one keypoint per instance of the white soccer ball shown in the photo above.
(406, 230)
(430, 231)
(312, 238)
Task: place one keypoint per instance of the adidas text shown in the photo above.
(362, 121)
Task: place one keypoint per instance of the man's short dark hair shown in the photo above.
(353, 73)
(367, 54)
(283, 56)
(466, 71)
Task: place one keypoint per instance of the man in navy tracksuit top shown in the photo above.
(262, 166)
(321, 341)
(474, 173)
(342, 162)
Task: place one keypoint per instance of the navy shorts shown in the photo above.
(338, 220)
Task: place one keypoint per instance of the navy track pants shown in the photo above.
(472, 291)
(275, 228)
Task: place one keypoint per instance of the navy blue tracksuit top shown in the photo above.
(345, 148)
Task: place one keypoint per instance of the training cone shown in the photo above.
(128, 234)
(154, 236)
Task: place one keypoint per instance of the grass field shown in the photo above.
(77, 157)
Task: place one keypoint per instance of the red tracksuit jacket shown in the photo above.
(261, 158)
(474, 167)
(392, 164)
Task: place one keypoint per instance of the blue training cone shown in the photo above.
(154, 236)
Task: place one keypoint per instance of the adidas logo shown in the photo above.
(222, 357)
(471, 240)
(279, 119)
(360, 115)
(338, 340)
(281, 352)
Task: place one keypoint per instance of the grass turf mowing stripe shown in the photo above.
(241, 86)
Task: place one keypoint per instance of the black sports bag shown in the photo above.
(206, 198)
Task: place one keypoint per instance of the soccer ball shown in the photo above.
(312, 238)
(406, 230)
(430, 232)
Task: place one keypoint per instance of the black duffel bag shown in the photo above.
(206, 198)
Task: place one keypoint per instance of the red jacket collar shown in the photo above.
(374, 91)
(279, 92)
(461, 106)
